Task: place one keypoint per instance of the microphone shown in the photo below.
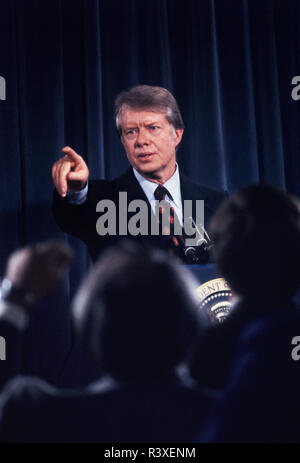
(203, 235)
(202, 240)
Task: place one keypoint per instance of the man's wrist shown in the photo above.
(77, 197)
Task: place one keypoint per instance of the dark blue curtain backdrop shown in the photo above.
(229, 63)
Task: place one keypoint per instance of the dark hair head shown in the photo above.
(139, 308)
(146, 97)
(256, 236)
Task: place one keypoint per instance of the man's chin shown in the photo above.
(148, 171)
(154, 172)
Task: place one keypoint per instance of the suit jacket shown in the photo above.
(80, 220)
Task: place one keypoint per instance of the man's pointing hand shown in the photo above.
(70, 172)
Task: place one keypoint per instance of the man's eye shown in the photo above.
(130, 132)
(153, 127)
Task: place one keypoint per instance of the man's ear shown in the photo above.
(178, 134)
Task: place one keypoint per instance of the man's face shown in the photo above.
(150, 142)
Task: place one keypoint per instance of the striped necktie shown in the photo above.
(166, 216)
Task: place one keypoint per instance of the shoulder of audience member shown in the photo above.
(27, 388)
(269, 336)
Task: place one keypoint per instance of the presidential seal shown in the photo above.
(215, 298)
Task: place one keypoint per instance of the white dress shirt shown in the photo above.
(172, 185)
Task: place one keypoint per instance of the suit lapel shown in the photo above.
(194, 192)
(129, 183)
(188, 193)
(131, 186)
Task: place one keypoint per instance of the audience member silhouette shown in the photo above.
(31, 273)
(256, 246)
(256, 235)
(137, 310)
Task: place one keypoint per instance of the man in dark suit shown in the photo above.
(141, 337)
(150, 127)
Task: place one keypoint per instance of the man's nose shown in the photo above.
(142, 138)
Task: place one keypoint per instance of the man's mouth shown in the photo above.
(145, 155)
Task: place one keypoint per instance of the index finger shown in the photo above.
(71, 153)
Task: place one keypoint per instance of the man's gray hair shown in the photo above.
(146, 97)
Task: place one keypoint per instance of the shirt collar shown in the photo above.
(172, 185)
